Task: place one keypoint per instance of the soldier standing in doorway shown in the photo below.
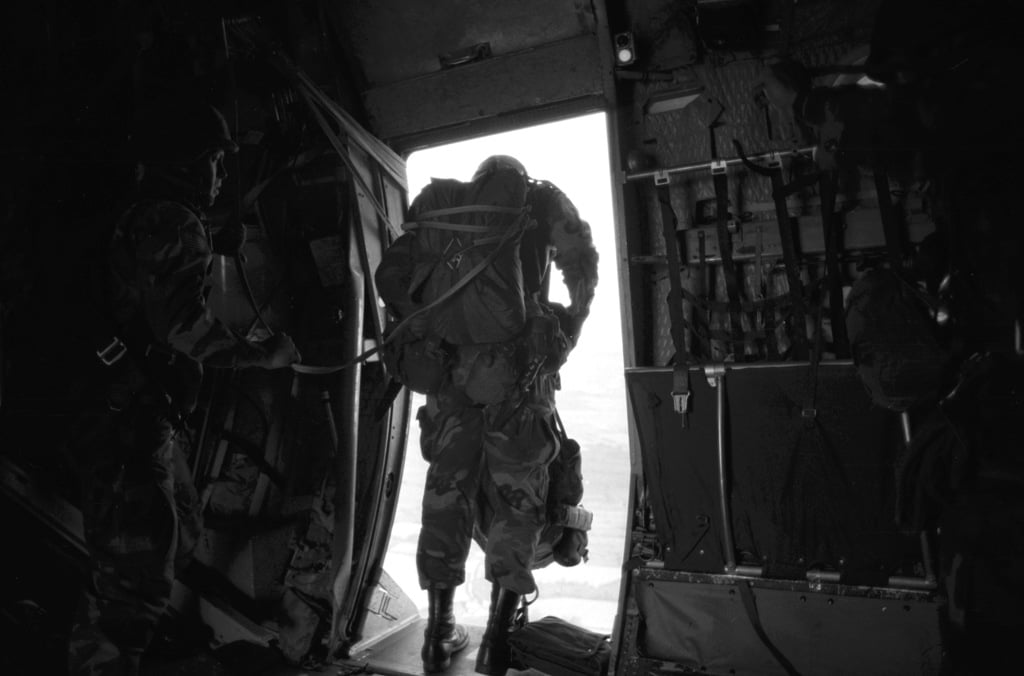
(155, 335)
(489, 428)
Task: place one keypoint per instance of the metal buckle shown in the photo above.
(113, 352)
(718, 167)
(455, 259)
(661, 178)
(681, 401)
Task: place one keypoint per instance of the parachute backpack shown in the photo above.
(455, 277)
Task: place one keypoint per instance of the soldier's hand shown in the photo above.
(281, 352)
(569, 323)
(571, 548)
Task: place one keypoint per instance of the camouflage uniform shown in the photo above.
(139, 504)
(489, 463)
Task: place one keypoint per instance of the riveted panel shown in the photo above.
(816, 33)
(556, 73)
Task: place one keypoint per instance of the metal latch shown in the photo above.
(713, 372)
(113, 352)
(681, 401)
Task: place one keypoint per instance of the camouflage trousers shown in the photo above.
(496, 455)
(140, 511)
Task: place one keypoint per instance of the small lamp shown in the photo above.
(625, 53)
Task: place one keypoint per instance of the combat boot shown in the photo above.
(442, 637)
(495, 657)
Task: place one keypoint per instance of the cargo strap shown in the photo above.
(833, 245)
(809, 413)
(724, 229)
(702, 332)
(681, 362)
(750, 606)
(890, 226)
(789, 246)
(761, 304)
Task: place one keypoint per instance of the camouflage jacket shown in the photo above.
(161, 259)
(564, 238)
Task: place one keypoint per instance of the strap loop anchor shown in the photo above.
(113, 352)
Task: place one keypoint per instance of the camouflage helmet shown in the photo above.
(495, 162)
(179, 132)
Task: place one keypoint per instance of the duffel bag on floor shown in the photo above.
(559, 648)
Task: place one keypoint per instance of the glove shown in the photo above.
(571, 548)
(569, 323)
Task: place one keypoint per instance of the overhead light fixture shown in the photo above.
(625, 53)
(673, 98)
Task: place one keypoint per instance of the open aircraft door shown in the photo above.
(297, 469)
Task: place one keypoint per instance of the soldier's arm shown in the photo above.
(575, 255)
(173, 258)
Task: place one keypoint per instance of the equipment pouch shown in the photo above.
(544, 342)
(492, 374)
(559, 648)
(422, 365)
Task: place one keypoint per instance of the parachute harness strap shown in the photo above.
(426, 219)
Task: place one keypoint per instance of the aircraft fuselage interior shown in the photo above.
(817, 261)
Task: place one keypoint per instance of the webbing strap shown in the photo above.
(762, 304)
(681, 372)
(426, 219)
(792, 264)
(706, 334)
(833, 244)
(721, 185)
(810, 410)
(750, 606)
(471, 209)
(893, 241)
(445, 225)
(789, 249)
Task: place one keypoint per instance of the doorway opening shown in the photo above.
(572, 154)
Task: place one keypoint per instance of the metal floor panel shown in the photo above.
(399, 654)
